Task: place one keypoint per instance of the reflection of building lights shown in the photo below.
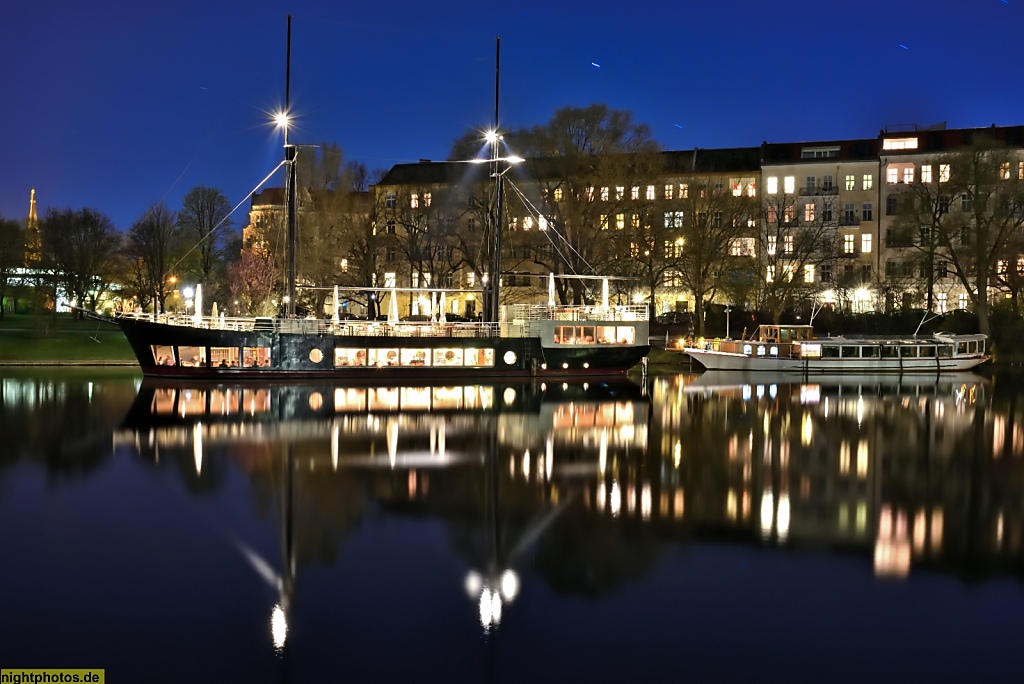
(615, 500)
(197, 447)
(491, 599)
(279, 626)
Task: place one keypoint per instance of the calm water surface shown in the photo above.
(714, 528)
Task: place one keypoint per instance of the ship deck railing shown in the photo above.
(520, 321)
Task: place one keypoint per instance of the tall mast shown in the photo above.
(495, 294)
(289, 155)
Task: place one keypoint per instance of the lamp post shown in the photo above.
(493, 302)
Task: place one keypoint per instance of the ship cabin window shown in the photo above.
(871, 352)
(589, 334)
(256, 357)
(830, 352)
(890, 351)
(448, 357)
(927, 351)
(479, 357)
(415, 357)
(192, 356)
(383, 357)
(849, 352)
(346, 356)
(908, 351)
(945, 350)
(163, 355)
(224, 357)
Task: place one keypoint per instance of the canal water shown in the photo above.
(696, 528)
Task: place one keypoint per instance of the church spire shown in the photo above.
(33, 243)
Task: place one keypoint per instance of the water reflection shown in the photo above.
(911, 469)
(499, 463)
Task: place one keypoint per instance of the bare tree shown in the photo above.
(81, 248)
(969, 215)
(796, 239)
(150, 252)
(12, 254)
(202, 224)
(251, 281)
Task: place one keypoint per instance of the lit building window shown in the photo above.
(1004, 171)
(604, 194)
(867, 182)
(604, 221)
(865, 243)
(851, 181)
(908, 174)
(414, 201)
(849, 244)
(769, 275)
(559, 194)
(389, 280)
(787, 244)
(670, 190)
(943, 173)
(809, 273)
(673, 219)
(589, 192)
(650, 192)
(427, 199)
(620, 192)
(809, 212)
(773, 241)
(899, 144)
(620, 221)
(527, 223)
(684, 191)
(926, 173)
(344, 265)
(963, 301)
(892, 174)
(789, 184)
(542, 223)
(772, 185)
(940, 302)
(634, 193)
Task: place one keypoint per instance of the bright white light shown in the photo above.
(491, 136)
(279, 626)
(509, 585)
(473, 583)
(281, 120)
(188, 293)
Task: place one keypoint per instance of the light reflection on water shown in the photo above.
(487, 510)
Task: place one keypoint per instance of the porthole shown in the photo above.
(316, 356)
(509, 395)
(510, 357)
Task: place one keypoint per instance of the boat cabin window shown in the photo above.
(849, 352)
(163, 355)
(349, 356)
(383, 357)
(927, 351)
(830, 351)
(255, 357)
(192, 356)
(589, 334)
(224, 357)
(448, 357)
(479, 357)
(945, 350)
(870, 352)
(908, 351)
(415, 357)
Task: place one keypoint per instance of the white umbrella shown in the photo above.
(335, 317)
(604, 292)
(213, 310)
(551, 289)
(393, 308)
(198, 317)
(433, 305)
(440, 311)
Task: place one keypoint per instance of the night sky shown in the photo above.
(118, 104)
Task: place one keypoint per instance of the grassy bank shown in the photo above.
(61, 338)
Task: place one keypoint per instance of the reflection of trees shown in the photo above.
(63, 423)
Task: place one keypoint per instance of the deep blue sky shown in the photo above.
(118, 104)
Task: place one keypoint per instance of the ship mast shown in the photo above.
(289, 155)
(494, 291)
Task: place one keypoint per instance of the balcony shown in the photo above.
(819, 191)
(849, 220)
